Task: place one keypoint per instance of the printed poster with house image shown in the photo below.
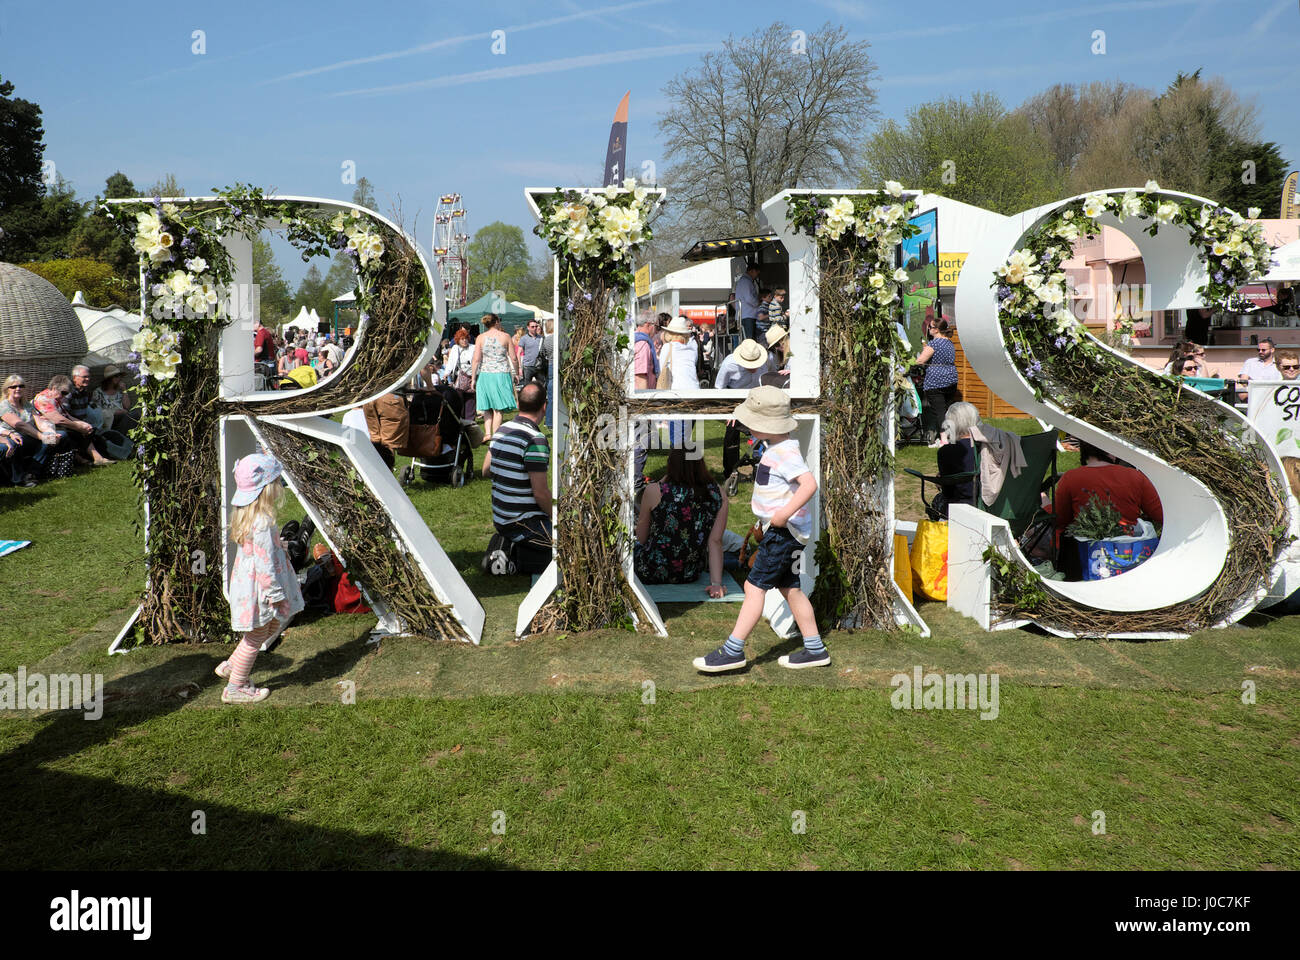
(921, 261)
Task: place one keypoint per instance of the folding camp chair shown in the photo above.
(1019, 502)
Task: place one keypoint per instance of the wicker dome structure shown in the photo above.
(40, 334)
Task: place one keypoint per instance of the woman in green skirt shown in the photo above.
(496, 368)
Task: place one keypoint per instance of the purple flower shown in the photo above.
(192, 232)
(586, 296)
(1218, 276)
(157, 201)
(1034, 369)
(1003, 292)
(187, 244)
(1060, 343)
(1045, 257)
(1016, 348)
(235, 211)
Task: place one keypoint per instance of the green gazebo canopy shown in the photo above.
(472, 313)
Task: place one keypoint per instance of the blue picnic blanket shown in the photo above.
(9, 546)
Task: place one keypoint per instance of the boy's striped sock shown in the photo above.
(733, 646)
(814, 644)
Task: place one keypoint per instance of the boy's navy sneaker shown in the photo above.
(802, 658)
(719, 661)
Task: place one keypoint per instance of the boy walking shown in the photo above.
(783, 485)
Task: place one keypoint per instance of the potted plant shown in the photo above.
(1107, 545)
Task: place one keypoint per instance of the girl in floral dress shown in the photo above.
(263, 589)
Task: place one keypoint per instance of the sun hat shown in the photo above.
(680, 325)
(767, 410)
(751, 355)
(252, 473)
(774, 334)
(111, 371)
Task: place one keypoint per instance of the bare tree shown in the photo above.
(769, 111)
(1071, 117)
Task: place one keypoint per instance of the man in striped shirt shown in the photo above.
(521, 499)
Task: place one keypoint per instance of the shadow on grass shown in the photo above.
(61, 821)
(21, 497)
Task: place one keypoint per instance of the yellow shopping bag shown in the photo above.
(902, 566)
(930, 558)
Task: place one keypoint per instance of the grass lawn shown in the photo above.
(557, 734)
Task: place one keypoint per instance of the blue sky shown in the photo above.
(412, 93)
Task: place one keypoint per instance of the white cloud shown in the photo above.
(465, 38)
(533, 69)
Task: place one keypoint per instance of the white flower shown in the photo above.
(1129, 206)
(1166, 211)
(197, 265)
(1050, 293)
(900, 275)
(611, 192)
(1151, 186)
(1017, 266)
(179, 283)
(1219, 248)
(171, 210)
(1095, 205)
(1067, 231)
(629, 183)
(877, 281)
(841, 208)
(1252, 213)
(893, 188)
(640, 193)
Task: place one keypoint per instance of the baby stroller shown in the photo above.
(446, 450)
(911, 419)
(748, 458)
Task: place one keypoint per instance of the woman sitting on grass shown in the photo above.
(680, 526)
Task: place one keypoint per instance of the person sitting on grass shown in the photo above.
(783, 485)
(114, 403)
(1099, 475)
(521, 498)
(52, 405)
(39, 441)
(680, 526)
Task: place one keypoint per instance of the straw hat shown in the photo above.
(767, 410)
(750, 355)
(111, 371)
(680, 325)
(774, 335)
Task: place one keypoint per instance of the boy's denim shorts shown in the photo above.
(774, 563)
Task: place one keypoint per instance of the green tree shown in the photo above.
(970, 150)
(58, 215)
(276, 301)
(1267, 170)
(1193, 137)
(23, 220)
(313, 294)
(98, 282)
(498, 260)
(96, 237)
(168, 186)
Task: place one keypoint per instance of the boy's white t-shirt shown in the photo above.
(774, 485)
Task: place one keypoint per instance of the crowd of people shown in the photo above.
(298, 360)
(45, 433)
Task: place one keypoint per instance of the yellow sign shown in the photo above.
(643, 281)
(1290, 202)
(950, 268)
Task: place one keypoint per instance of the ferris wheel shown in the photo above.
(450, 240)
